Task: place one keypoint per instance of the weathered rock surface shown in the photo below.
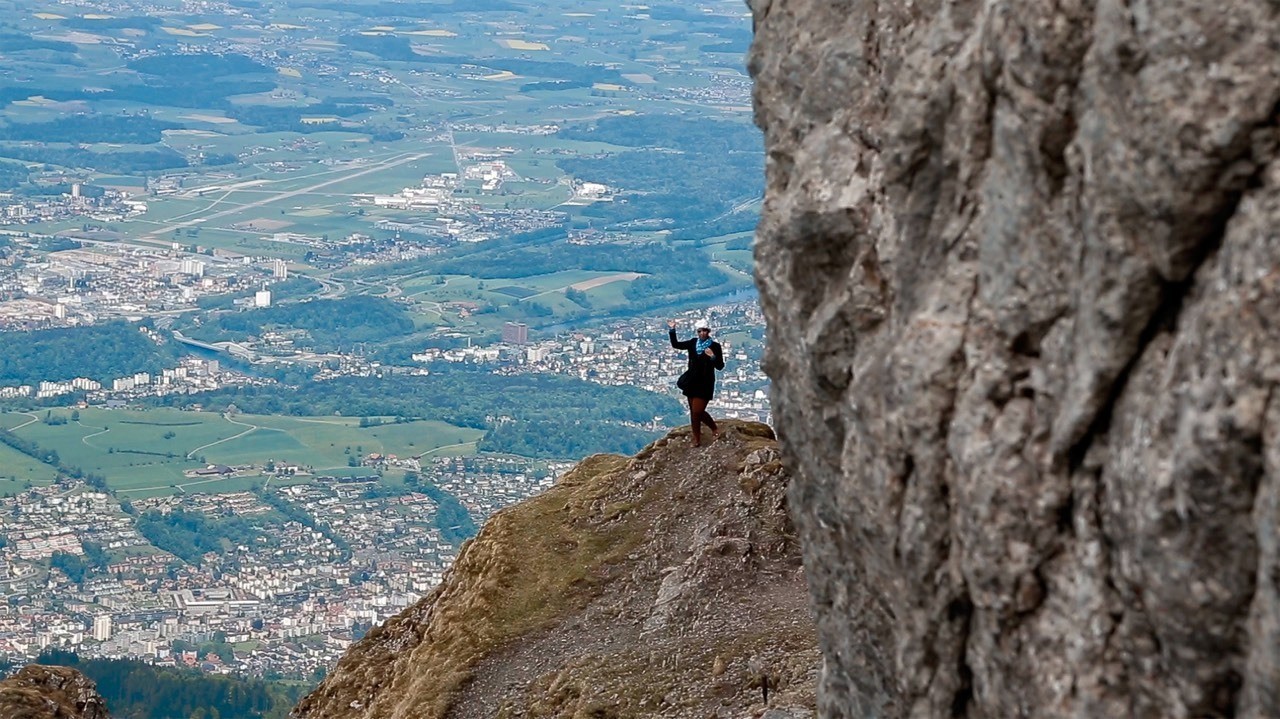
(44, 692)
(1021, 268)
(668, 584)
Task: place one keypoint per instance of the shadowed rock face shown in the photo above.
(44, 692)
(1021, 268)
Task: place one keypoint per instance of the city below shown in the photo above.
(293, 297)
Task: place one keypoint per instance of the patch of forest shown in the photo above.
(100, 352)
(189, 535)
(682, 187)
(121, 163)
(452, 518)
(701, 135)
(12, 175)
(670, 276)
(17, 42)
(190, 68)
(558, 407)
(137, 690)
(85, 127)
(709, 168)
(79, 566)
(331, 324)
(674, 277)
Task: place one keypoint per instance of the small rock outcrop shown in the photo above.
(1021, 272)
(668, 584)
(45, 692)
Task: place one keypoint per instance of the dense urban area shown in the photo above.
(294, 296)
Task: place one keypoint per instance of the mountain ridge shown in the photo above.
(669, 583)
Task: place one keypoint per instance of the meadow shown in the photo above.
(144, 453)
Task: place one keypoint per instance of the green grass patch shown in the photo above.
(145, 453)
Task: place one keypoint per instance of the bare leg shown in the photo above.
(707, 420)
(697, 408)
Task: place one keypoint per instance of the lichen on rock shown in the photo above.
(1019, 267)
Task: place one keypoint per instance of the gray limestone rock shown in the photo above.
(47, 692)
(1021, 268)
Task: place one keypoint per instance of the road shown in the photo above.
(85, 439)
(252, 427)
(24, 424)
(472, 443)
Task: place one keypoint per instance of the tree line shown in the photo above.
(190, 535)
(137, 690)
(50, 457)
(555, 408)
(332, 324)
(90, 127)
(452, 519)
(101, 352)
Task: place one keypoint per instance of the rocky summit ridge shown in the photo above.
(665, 584)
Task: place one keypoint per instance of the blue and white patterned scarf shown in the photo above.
(704, 344)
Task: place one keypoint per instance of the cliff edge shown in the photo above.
(665, 584)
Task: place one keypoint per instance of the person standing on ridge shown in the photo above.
(698, 383)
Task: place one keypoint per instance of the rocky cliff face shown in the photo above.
(1021, 268)
(41, 692)
(666, 584)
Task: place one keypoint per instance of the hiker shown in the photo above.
(698, 383)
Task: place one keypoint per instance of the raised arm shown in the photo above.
(686, 345)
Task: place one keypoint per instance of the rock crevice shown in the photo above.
(1019, 263)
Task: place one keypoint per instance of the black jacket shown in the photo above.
(701, 375)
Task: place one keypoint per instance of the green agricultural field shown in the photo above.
(9, 420)
(145, 453)
(16, 469)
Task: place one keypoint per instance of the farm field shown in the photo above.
(17, 469)
(147, 452)
(510, 298)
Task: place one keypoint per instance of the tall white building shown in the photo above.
(280, 270)
(102, 627)
(195, 268)
(262, 298)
